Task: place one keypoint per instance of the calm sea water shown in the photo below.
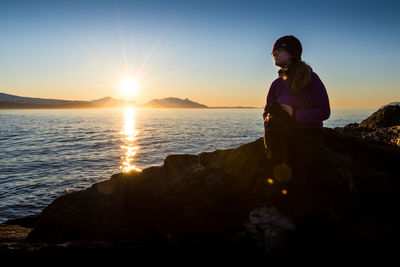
(46, 153)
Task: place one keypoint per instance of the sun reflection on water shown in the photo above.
(129, 133)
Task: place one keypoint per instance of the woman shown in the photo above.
(301, 93)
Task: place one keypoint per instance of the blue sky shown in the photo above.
(212, 52)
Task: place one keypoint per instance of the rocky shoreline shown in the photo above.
(219, 205)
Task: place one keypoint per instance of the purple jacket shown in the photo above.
(311, 106)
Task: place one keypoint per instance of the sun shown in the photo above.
(129, 87)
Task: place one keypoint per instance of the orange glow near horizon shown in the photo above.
(129, 132)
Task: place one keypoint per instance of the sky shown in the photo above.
(215, 52)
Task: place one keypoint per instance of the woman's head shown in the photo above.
(286, 50)
(294, 71)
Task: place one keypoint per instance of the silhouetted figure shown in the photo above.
(296, 104)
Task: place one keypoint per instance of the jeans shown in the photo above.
(304, 157)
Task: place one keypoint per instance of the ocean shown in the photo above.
(45, 153)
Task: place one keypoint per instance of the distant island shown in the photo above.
(8, 101)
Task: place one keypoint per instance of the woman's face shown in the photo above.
(281, 57)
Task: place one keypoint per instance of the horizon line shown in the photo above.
(236, 106)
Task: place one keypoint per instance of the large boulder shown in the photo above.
(382, 126)
(386, 116)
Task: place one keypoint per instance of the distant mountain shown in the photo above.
(8, 101)
(107, 102)
(173, 102)
(13, 101)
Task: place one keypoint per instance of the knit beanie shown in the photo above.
(290, 44)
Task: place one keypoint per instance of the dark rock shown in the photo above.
(219, 203)
(27, 221)
(383, 126)
(385, 117)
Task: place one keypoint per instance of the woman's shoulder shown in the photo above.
(277, 82)
(315, 76)
(316, 83)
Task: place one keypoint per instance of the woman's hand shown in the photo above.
(288, 108)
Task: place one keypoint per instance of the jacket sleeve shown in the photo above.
(320, 110)
(269, 100)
